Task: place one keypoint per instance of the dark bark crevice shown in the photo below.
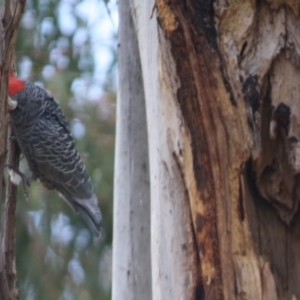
(191, 47)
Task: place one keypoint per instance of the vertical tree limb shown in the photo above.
(10, 22)
(10, 218)
(132, 246)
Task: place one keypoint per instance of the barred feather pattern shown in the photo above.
(45, 139)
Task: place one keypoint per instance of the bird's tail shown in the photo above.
(90, 212)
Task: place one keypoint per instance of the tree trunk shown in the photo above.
(9, 152)
(221, 87)
(132, 263)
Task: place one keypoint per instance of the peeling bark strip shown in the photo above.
(197, 103)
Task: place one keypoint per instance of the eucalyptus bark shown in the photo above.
(131, 244)
(221, 87)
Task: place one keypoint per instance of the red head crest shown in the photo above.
(15, 85)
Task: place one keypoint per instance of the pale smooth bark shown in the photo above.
(131, 242)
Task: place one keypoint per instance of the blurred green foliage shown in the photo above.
(56, 255)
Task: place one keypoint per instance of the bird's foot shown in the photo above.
(13, 137)
(16, 176)
(12, 104)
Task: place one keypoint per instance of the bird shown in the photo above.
(44, 137)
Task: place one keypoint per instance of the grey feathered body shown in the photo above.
(45, 139)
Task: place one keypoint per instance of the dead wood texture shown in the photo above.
(221, 82)
(8, 153)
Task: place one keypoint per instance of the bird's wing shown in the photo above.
(56, 157)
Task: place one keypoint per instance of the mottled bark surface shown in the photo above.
(221, 83)
(238, 68)
(259, 44)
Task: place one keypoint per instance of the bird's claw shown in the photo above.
(26, 185)
(16, 176)
(12, 138)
